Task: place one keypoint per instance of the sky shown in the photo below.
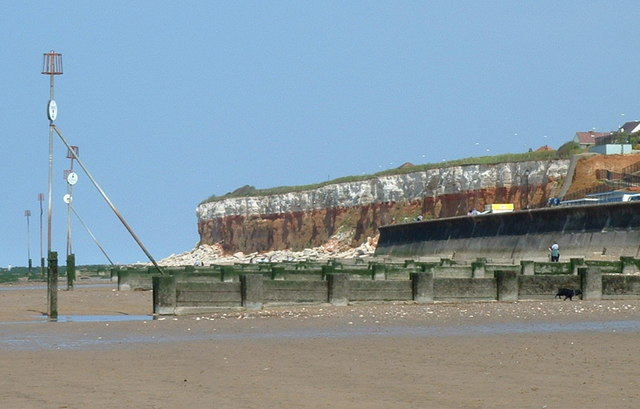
(172, 102)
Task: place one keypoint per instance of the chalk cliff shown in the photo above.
(309, 218)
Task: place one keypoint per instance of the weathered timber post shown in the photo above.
(227, 273)
(527, 267)
(277, 273)
(628, 265)
(409, 264)
(422, 287)
(590, 283)
(164, 295)
(427, 268)
(446, 262)
(52, 288)
(338, 289)
(478, 268)
(252, 291)
(575, 264)
(71, 271)
(507, 283)
(114, 274)
(124, 283)
(379, 272)
(326, 270)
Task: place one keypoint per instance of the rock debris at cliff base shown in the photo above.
(334, 248)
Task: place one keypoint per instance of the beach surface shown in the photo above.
(107, 351)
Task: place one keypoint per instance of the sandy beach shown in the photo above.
(108, 352)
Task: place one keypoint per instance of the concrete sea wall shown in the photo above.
(611, 230)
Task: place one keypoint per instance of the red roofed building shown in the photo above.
(544, 148)
(588, 139)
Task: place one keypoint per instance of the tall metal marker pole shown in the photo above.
(52, 66)
(67, 199)
(71, 178)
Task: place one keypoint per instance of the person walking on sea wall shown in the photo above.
(555, 252)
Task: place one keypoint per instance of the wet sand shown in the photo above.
(530, 354)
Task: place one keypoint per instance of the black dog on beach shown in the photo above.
(568, 293)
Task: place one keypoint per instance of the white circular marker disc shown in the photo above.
(67, 198)
(52, 110)
(72, 178)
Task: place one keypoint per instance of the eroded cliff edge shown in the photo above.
(309, 218)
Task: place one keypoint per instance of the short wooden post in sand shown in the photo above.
(52, 287)
(507, 283)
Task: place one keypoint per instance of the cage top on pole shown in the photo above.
(52, 63)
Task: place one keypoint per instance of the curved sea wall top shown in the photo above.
(597, 231)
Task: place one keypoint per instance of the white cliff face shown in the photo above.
(395, 188)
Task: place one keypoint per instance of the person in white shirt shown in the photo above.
(555, 251)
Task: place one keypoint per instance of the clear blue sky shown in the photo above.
(171, 102)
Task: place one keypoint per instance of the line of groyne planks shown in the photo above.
(191, 290)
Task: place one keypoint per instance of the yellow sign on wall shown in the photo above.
(499, 207)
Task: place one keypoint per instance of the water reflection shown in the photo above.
(99, 318)
(61, 286)
(38, 336)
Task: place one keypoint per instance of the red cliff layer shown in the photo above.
(298, 230)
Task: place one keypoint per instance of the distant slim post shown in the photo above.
(27, 214)
(41, 199)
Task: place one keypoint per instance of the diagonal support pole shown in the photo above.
(95, 240)
(106, 198)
